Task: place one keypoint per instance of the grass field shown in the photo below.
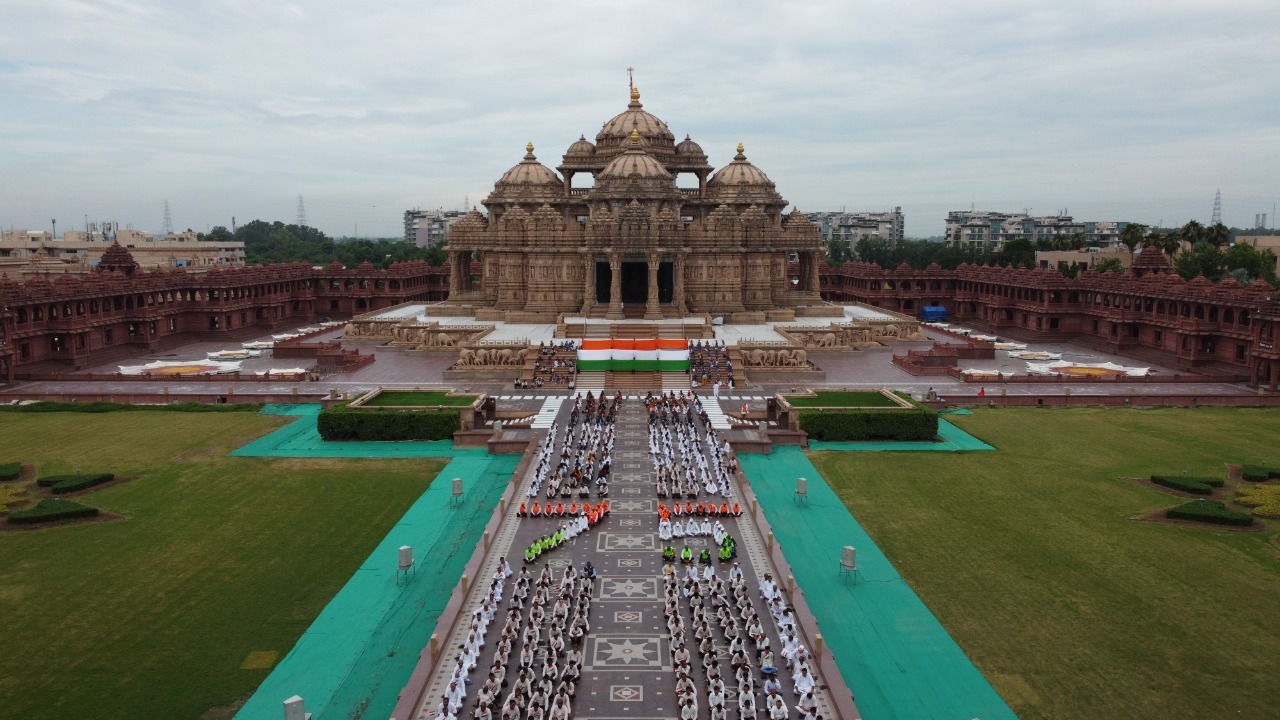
(1030, 558)
(836, 398)
(153, 616)
(408, 398)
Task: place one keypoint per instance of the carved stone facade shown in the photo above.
(634, 240)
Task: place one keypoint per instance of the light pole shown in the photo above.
(55, 227)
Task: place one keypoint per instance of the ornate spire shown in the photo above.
(635, 136)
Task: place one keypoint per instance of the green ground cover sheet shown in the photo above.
(357, 655)
(894, 655)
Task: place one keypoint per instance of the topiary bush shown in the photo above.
(80, 482)
(1191, 484)
(10, 471)
(52, 481)
(52, 509)
(1209, 511)
(1258, 473)
(919, 424)
(342, 423)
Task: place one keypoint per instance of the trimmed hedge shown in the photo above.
(919, 424)
(1191, 484)
(1209, 511)
(106, 407)
(10, 471)
(343, 423)
(1258, 473)
(52, 509)
(74, 482)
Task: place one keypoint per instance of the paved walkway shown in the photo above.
(627, 663)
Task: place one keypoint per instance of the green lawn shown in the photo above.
(408, 398)
(152, 616)
(1031, 558)
(842, 399)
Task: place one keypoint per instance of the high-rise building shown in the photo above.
(991, 230)
(852, 227)
(425, 228)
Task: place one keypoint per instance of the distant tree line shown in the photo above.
(1194, 248)
(276, 242)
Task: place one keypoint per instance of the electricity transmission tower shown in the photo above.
(1217, 208)
(302, 213)
(166, 227)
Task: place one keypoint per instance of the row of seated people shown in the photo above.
(709, 364)
(723, 610)
(545, 648)
(567, 531)
(454, 696)
(555, 364)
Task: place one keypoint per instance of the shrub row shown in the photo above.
(52, 509)
(1191, 484)
(342, 423)
(920, 424)
(1258, 473)
(71, 483)
(106, 407)
(1210, 511)
(10, 471)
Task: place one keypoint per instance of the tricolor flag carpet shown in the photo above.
(652, 354)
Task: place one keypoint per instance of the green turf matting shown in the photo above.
(356, 657)
(892, 652)
(953, 440)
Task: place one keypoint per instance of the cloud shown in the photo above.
(1136, 110)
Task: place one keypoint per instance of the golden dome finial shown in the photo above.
(635, 94)
(740, 148)
(529, 147)
(635, 136)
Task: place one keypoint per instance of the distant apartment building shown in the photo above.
(991, 230)
(28, 252)
(425, 228)
(852, 227)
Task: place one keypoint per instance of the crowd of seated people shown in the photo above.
(556, 364)
(709, 364)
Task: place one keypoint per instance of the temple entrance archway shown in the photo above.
(635, 283)
(604, 277)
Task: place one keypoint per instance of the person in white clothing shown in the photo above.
(803, 682)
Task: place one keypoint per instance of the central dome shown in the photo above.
(650, 127)
(634, 163)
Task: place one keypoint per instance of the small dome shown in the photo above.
(581, 146)
(739, 172)
(634, 163)
(649, 126)
(529, 172)
(689, 148)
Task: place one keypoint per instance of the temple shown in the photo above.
(635, 243)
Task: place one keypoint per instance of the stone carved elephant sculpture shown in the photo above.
(444, 340)
(826, 340)
(467, 357)
(798, 358)
(754, 357)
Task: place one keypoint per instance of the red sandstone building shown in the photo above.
(1151, 313)
(119, 311)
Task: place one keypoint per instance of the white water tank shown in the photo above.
(849, 557)
(406, 557)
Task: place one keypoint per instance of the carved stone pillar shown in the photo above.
(455, 274)
(651, 309)
(615, 287)
(588, 284)
(677, 292)
(815, 282)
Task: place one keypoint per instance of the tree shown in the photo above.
(1109, 263)
(1255, 263)
(1217, 235)
(1191, 233)
(874, 249)
(1133, 235)
(837, 252)
(1019, 253)
(1203, 259)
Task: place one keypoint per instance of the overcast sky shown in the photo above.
(1128, 110)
